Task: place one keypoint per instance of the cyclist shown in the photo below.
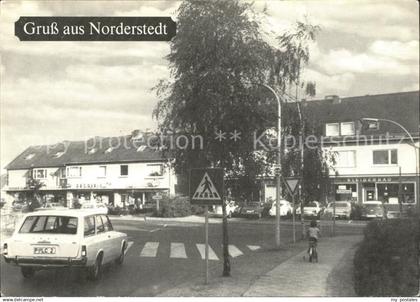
(313, 234)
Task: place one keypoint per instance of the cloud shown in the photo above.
(396, 49)
(385, 19)
(330, 84)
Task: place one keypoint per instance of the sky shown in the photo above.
(55, 91)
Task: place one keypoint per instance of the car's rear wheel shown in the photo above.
(120, 259)
(95, 272)
(28, 272)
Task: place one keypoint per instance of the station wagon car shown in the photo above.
(72, 238)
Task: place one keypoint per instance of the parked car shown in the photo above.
(252, 209)
(286, 208)
(56, 239)
(51, 206)
(313, 208)
(392, 211)
(231, 208)
(373, 209)
(343, 209)
(97, 206)
(20, 206)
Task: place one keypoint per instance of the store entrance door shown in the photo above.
(369, 193)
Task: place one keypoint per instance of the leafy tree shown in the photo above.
(34, 198)
(217, 52)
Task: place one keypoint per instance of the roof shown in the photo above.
(96, 150)
(66, 212)
(402, 107)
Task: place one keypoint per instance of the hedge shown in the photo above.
(174, 207)
(386, 262)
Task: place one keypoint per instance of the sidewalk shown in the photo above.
(219, 220)
(294, 276)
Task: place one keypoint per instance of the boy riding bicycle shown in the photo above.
(313, 234)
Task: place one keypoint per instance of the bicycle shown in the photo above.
(313, 254)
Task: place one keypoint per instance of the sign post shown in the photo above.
(206, 188)
(291, 185)
(157, 197)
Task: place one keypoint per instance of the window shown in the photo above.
(155, 170)
(107, 223)
(385, 157)
(99, 225)
(124, 170)
(141, 148)
(50, 224)
(332, 129)
(58, 154)
(30, 156)
(74, 171)
(40, 173)
(346, 159)
(92, 151)
(102, 171)
(89, 226)
(347, 128)
(109, 150)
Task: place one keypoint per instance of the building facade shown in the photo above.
(115, 170)
(371, 160)
(375, 159)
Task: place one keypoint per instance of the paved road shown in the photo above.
(161, 256)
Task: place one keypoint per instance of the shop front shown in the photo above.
(388, 189)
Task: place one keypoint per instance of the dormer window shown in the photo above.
(30, 156)
(58, 154)
(92, 151)
(141, 148)
(340, 129)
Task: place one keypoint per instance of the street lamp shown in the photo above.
(376, 120)
(278, 166)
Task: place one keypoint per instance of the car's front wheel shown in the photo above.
(28, 272)
(95, 272)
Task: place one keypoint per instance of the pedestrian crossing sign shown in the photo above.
(206, 186)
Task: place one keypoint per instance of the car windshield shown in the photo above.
(253, 204)
(372, 206)
(338, 205)
(312, 205)
(49, 224)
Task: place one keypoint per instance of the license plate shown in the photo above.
(250, 212)
(44, 250)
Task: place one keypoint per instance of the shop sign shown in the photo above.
(343, 191)
(92, 186)
(367, 179)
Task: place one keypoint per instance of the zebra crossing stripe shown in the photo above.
(150, 249)
(253, 247)
(130, 244)
(234, 251)
(178, 250)
(202, 249)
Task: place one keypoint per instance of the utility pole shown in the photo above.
(302, 166)
(278, 166)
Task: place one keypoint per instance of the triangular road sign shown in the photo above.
(291, 184)
(206, 189)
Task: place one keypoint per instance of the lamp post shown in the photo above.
(278, 168)
(376, 120)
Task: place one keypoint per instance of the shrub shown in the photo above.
(385, 263)
(178, 206)
(356, 211)
(197, 210)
